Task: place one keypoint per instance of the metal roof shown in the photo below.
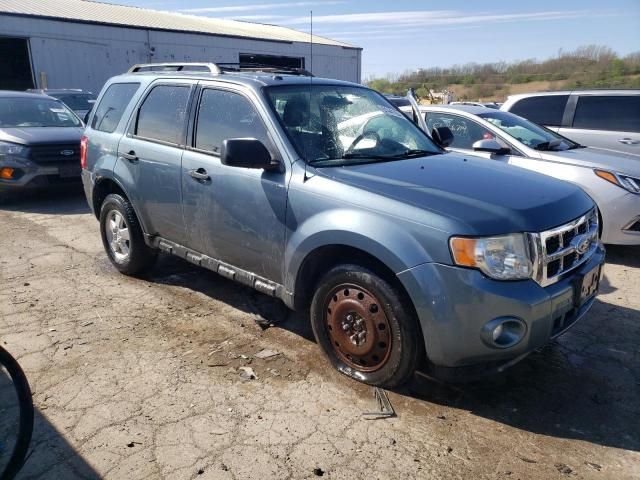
(87, 11)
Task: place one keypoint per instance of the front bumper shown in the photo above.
(453, 304)
(29, 174)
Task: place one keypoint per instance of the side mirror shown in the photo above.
(443, 136)
(491, 146)
(246, 153)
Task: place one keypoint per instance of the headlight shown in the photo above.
(631, 184)
(11, 148)
(503, 258)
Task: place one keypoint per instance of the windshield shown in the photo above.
(532, 135)
(333, 125)
(76, 101)
(35, 112)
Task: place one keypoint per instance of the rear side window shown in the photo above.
(615, 113)
(163, 113)
(112, 105)
(543, 110)
(223, 115)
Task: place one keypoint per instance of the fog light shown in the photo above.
(503, 332)
(6, 173)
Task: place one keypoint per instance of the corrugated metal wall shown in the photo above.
(77, 55)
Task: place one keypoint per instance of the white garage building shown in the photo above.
(80, 44)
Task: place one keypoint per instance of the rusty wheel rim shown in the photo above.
(358, 328)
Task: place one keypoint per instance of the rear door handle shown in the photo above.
(200, 175)
(629, 141)
(130, 155)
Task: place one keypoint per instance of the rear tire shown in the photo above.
(122, 237)
(366, 326)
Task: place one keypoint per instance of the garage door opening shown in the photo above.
(252, 59)
(15, 64)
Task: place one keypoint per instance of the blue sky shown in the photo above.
(403, 35)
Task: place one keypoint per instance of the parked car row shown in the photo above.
(409, 248)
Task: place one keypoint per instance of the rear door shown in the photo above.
(236, 215)
(547, 110)
(150, 156)
(606, 121)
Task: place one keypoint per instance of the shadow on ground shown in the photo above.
(60, 201)
(49, 455)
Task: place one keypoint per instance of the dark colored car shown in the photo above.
(80, 101)
(39, 142)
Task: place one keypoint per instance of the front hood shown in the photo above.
(41, 135)
(597, 158)
(479, 196)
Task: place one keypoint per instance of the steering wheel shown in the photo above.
(362, 136)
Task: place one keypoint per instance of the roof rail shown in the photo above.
(175, 67)
(263, 67)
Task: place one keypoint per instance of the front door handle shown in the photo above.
(629, 141)
(130, 155)
(200, 175)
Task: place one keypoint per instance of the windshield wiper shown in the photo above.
(348, 156)
(413, 152)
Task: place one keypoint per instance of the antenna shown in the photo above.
(310, 92)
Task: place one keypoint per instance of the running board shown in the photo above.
(231, 272)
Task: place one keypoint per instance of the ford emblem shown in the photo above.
(582, 244)
(66, 153)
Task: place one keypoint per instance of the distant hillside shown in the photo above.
(590, 66)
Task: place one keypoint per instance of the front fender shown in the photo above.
(379, 236)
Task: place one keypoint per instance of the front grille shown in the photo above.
(47, 154)
(564, 248)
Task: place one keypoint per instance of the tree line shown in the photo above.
(591, 66)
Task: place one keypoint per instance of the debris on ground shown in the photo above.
(266, 353)
(318, 472)
(563, 468)
(595, 466)
(247, 373)
(385, 409)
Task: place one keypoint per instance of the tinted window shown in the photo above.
(465, 132)
(543, 110)
(35, 111)
(76, 101)
(621, 113)
(163, 113)
(111, 107)
(225, 115)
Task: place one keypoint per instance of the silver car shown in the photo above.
(611, 179)
(606, 119)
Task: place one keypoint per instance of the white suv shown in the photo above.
(607, 119)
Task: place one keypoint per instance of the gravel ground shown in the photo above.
(142, 378)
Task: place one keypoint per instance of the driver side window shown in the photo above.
(465, 132)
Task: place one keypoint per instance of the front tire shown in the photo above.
(366, 326)
(122, 237)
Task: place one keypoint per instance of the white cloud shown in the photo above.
(429, 18)
(260, 6)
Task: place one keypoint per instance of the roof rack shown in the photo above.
(263, 67)
(175, 67)
(217, 68)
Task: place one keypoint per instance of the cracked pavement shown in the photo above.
(140, 378)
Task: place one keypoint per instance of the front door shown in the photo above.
(235, 215)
